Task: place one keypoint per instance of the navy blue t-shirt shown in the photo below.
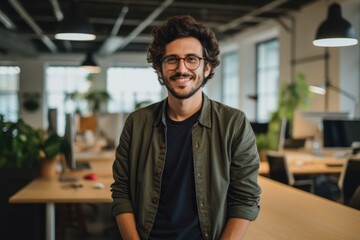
(177, 216)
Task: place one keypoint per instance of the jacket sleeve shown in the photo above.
(244, 191)
(120, 188)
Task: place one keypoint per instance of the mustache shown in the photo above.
(177, 75)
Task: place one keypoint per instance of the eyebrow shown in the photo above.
(186, 55)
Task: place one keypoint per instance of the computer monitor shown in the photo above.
(109, 126)
(52, 121)
(340, 133)
(309, 124)
(259, 128)
(69, 138)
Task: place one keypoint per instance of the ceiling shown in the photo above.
(32, 24)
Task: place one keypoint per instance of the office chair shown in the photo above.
(349, 179)
(355, 199)
(279, 171)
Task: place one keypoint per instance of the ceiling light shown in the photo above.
(90, 65)
(74, 26)
(335, 31)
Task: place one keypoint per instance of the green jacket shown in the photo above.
(226, 164)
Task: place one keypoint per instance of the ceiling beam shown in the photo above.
(247, 17)
(57, 11)
(123, 42)
(24, 15)
(6, 21)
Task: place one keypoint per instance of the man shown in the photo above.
(186, 167)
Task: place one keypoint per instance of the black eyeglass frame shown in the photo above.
(178, 62)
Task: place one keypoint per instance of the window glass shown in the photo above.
(230, 80)
(267, 78)
(9, 88)
(130, 87)
(61, 81)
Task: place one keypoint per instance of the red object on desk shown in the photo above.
(91, 176)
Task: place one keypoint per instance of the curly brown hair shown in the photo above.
(181, 27)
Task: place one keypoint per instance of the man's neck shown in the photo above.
(181, 109)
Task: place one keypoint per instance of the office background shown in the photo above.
(295, 53)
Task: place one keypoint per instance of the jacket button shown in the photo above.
(147, 227)
(162, 145)
(158, 171)
(154, 200)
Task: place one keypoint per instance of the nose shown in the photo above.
(181, 66)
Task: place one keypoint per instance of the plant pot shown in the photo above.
(48, 167)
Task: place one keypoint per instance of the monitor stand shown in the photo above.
(82, 165)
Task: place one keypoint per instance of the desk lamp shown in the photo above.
(322, 89)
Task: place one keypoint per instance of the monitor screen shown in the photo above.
(52, 120)
(69, 138)
(259, 128)
(308, 124)
(109, 127)
(340, 133)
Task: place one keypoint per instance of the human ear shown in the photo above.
(207, 69)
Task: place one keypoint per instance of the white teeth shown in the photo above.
(182, 79)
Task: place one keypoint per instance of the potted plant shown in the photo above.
(22, 146)
(96, 98)
(292, 96)
(23, 149)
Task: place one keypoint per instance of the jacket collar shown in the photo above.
(204, 118)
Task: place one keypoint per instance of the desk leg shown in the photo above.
(50, 221)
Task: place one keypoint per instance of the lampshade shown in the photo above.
(74, 26)
(90, 65)
(335, 31)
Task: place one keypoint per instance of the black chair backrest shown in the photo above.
(277, 166)
(351, 179)
(355, 199)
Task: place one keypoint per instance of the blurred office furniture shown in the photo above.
(355, 199)
(87, 123)
(259, 127)
(287, 213)
(294, 209)
(109, 127)
(279, 171)
(349, 179)
(340, 133)
(355, 149)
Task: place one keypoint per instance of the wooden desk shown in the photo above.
(90, 156)
(301, 163)
(286, 213)
(52, 191)
(289, 213)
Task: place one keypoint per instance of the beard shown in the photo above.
(184, 95)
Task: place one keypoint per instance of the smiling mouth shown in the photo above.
(181, 78)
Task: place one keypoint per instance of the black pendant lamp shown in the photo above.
(335, 31)
(90, 65)
(75, 26)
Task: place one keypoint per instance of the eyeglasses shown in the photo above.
(171, 62)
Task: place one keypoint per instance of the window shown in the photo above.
(230, 84)
(267, 78)
(9, 87)
(59, 82)
(130, 86)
